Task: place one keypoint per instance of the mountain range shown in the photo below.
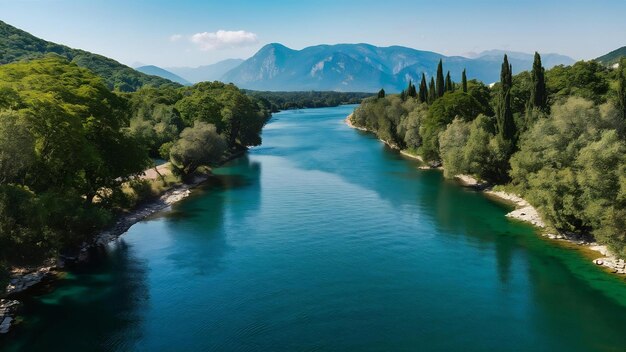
(212, 72)
(275, 67)
(364, 67)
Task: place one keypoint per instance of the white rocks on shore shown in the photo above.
(7, 311)
(23, 279)
(524, 211)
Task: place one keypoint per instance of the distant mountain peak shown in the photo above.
(363, 67)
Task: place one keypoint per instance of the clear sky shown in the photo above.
(198, 32)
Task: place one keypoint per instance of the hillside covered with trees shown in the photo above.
(557, 136)
(70, 148)
(16, 45)
(277, 101)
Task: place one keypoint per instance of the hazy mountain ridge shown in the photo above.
(17, 45)
(205, 73)
(365, 67)
(160, 72)
(613, 57)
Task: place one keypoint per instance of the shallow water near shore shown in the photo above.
(323, 239)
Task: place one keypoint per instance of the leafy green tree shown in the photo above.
(440, 114)
(621, 91)
(198, 145)
(17, 148)
(381, 93)
(440, 81)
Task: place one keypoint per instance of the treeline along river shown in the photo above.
(323, 239)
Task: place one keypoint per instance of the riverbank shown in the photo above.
(23, 279)
(525, 212)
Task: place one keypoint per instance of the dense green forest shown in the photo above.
(558, 137)
(69, 148)
(277, 101)
(16, 45)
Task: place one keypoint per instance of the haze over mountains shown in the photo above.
(275, 67)
(364, 67)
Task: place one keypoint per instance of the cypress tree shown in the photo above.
(538, 96)
(411, 91)
(449, 85)
(504, 112)
(423, 92)
(403, 95)
(440, 83)
(621, 92)
(381, 93)
(464, 81)
(432, 92)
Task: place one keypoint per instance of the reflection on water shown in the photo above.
(324, 239)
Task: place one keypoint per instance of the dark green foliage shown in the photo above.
(538, 94)
(505, 125)
(440, 114)
(432, 92)
(449, 85)
(68, 144)
(440, 82)
(585, 79)
(621, 91)
(276, 101)
(423, 90)
(571, 158)
(411, 91)
(16, 45)
(464, 81)
(381, 93)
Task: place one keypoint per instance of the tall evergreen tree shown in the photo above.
(440, 82)
(411, 91)
(504, 112)
(621, 90)
(381, 93)
(538, 95)
(432, 91)
(423, 92)
(403, 95)
(464, 81)
(449, 84)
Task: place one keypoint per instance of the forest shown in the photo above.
(277, 101)
(71, 148)
(557, 137)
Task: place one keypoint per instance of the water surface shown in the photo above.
(323, 239)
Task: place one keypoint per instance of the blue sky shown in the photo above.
(192, 33)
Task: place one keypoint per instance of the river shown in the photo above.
(323, 239)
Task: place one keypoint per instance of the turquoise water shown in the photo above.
(323, 239)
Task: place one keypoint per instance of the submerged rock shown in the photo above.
(7, 311)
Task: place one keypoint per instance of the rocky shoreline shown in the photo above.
(23, 279)
(524, 211)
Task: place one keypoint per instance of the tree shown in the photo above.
(381, 93)
(17, 148)
(621, 91)
(423, 91)
(198, 145)
(449, 84)
(411, 91)
(432, 92)
(440, 81)
(464, 81)
(504, 114)
(538, 94)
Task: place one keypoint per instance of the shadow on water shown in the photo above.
(97, 307)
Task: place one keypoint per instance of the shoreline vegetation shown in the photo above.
(523, 211)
